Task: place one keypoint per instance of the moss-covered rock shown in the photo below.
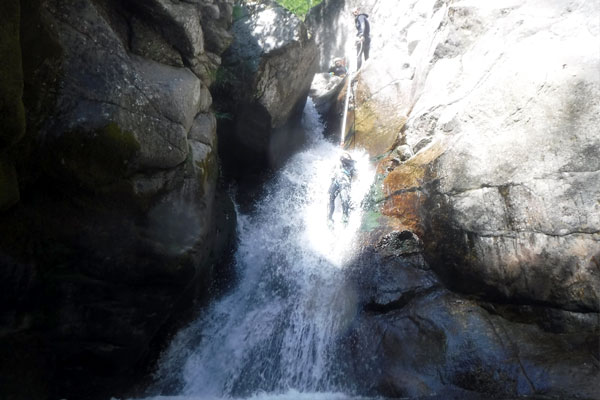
(95, 158)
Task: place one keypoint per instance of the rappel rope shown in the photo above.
(347, 101)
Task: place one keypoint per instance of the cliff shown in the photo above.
(113, 222)
(482, 120)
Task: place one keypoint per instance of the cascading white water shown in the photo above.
(275, 332)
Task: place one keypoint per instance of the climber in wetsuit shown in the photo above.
(338, 69)
(340, 184)
(363, 36)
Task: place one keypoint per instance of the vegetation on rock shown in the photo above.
(299, 7)
(96, 158)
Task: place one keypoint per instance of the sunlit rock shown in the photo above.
(507, 98)
(515, 191)
(323, 91)
(264, 83)
(500, 182)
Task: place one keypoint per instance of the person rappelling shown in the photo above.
(341, 180)
(340, 185)
(363, 36)
(338, 68)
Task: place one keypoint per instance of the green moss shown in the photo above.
(95, 158)
(224, 115)
(372, 205)
(223, 76)
(299, 7)
(238, 12)
(370, 220)
(12, 111)
(235, 77)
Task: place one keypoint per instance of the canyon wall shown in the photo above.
(482, 119)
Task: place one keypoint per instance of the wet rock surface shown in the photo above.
(414, 338)
(489, 162)
(480, 277)
(324, 90)
(121, 222)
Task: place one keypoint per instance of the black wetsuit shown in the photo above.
(338, 70)
(340, 184)
(363, 30)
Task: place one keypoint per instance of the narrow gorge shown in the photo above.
(164, 177)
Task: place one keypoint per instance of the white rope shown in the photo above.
(345, 113)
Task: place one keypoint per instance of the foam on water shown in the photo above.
(290, 395)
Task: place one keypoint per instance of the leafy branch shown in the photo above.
(299, 7)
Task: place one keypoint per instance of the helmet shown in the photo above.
(345, 157)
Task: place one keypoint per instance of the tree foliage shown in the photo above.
(299, 7)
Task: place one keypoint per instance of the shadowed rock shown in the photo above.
(120, 225)
(415, 338)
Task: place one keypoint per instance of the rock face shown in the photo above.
(266, 74)
(323, 91)
(484, 119)
(430, 341)
(512, 187)
(120, 224)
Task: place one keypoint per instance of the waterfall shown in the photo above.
(274, 334)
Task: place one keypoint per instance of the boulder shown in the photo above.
(267, 74)
(216, 20)
(431, 342)
(404, 152)
(324, 90)
(332, 27)
(178, 23)
(121, 223)
(507, 181)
